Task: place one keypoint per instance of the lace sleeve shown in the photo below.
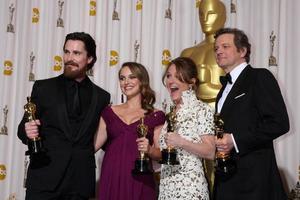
(205, 120)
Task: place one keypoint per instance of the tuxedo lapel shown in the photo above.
(90, 114)
(63, 118)
(237, 90)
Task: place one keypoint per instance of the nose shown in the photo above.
(125, 80)
(169, 80)
(71, 56)
(66, 57)
(205, 17)
(218, 51)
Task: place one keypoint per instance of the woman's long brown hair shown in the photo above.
(148, 95)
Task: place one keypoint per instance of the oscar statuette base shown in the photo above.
(142, 166)
(169, 157)
(35, 146)
(225, 167)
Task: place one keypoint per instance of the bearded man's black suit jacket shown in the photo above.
(255, 113)
(64, 149)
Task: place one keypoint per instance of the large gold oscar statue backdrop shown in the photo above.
(212, 15)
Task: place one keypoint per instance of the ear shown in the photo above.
(90, 59)
(193, 81)
(192, 84)
(244, 52)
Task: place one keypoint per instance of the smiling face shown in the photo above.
(174, 84)
(129, 83)
(227, 54)
(75, 60)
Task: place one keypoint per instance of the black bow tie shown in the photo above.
(225, 79)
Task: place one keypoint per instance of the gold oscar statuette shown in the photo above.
(203, 54)
(35, 145)
(225, 165)
(169, 155)
(142, 164)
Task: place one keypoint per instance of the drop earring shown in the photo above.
(122, 98)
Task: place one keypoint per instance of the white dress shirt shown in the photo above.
(234, 75)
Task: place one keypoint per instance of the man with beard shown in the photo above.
(68, 109)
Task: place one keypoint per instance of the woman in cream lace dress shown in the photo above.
(193, 138)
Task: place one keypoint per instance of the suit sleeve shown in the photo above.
(21, 128)
(269, 118)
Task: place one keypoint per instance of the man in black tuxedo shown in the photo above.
(254, 114)
(68, 109)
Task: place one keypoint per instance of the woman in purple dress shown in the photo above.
(118, 130)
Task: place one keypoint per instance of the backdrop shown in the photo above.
(32, 33)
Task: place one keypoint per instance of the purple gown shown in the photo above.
(116, 180)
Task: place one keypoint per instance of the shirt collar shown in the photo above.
(70, 82)
(237, 71)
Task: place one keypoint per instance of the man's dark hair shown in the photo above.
(240, 40)
(89, 44)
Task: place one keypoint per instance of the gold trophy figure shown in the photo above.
(35, 145)
(169, 155)
(142, 164)
(212, 17)
(225, 165)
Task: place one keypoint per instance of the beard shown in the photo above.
(72, 73)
